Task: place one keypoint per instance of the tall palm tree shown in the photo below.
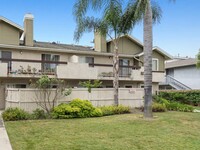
(114, 23)
(137, 10)
(149, 12)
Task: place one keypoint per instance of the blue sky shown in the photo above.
(178, 32)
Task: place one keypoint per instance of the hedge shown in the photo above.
(191, 97)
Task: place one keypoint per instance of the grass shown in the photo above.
(168, 131)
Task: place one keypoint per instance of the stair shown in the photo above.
(176, 84)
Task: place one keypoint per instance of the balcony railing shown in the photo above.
(106, 70)
(24, 67)
(68, 70)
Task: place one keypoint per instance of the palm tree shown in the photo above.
(148, 12)
(114, 22)
(137, 10)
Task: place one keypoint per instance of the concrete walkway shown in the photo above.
(4, 140)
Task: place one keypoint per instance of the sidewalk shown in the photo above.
(4, 140)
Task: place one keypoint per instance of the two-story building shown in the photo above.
(23, 59)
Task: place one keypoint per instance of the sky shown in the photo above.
(178, 32)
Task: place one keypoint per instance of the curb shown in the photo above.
(4, 139)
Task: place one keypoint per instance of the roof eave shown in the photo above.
(21, 29)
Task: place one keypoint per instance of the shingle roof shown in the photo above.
(180, 63)
(62, 46)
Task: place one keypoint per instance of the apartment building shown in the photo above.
(23, 59)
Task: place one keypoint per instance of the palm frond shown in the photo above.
(87, 24)
(156, 12)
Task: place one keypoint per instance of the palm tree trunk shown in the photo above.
(116, 75)
(148, 38)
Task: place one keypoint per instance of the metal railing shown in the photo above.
(176, 84)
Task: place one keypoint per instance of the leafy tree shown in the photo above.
(89, 84)
(49, 90)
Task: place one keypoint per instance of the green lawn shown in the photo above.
(168, 131)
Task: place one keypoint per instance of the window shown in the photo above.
(18, 85)
(141, 85)
(89, 60)
(49, 67)
(128, 86)
(154, 64)
(6, 55)
(124, 71)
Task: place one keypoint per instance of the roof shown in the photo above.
(12, 24)
(159, 50)
(180, 63)
(55, 45)
(135, 40)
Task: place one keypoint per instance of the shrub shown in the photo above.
(180, 107)
(162, 101)
(175, 106)
(76, 109)
(121, 109)
(14, 114)
(96, 113)
(191, 97)
(156, 107)
(111, 110)
(65, 111)
(85, 106)
(107, 110)
(39, 114)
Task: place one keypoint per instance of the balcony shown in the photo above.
(158, 76)
(23, 68)
(77, 71)
(68, 70)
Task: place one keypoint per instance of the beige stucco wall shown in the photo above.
(31, 55)
(76, 71)
(8, 34)
(25, 98)
(161, 60)
(3, 69)
(28, 30)
(126, 46)
(100, 42)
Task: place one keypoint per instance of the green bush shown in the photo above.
(191, 97)
(156, 107)
(86, 107)
(76, 109)
(107, 110)
(180, 107)
(96, 113)
(175, 106)
(39, 114)
(111, 110)
(65, 111)
(14, 114)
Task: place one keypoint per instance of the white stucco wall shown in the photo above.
(189, 76)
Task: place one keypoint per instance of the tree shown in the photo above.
(198, 60)
(114, 23)
(49, 90)
(136, 11)
(89, 84)
(149, 12)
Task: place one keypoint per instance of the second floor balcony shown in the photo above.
(67, 70)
